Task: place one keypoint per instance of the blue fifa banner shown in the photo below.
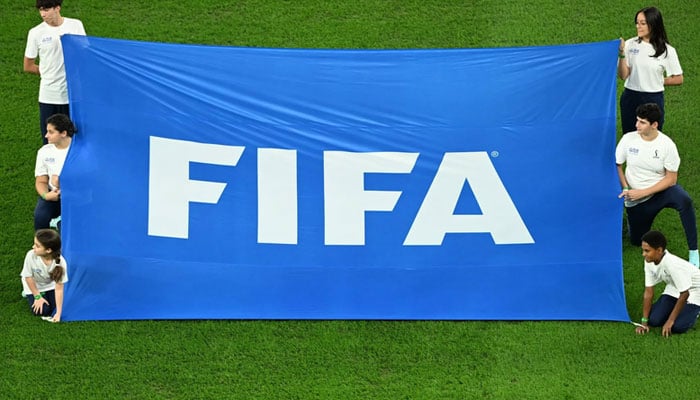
(247, 183)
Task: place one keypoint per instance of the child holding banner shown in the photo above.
(649, 179)
(43, 275)
(44, 43)
(642, 63)
(49, 163)
(679, 306)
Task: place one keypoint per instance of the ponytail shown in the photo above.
(57, 272)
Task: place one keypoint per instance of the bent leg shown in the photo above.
(686, 319)
(44, 212)
(661, 310)
(46, 310)
(640, 218)
(677, 198)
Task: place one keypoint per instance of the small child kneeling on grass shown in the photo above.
(43, 275)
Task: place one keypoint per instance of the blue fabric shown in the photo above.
(220, 182)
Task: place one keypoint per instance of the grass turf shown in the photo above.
(336, 359)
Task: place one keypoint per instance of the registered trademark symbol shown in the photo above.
(494, 154)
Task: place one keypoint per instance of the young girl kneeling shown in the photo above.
(43, 275)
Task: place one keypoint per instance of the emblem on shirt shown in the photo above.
(634, 51)
(656, 154)
(634, 151)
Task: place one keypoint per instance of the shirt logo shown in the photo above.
(634, 151)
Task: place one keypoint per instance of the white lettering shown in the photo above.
(345, 197)
(346, 201)
(277, 196)
(499, 216)
(170, 189)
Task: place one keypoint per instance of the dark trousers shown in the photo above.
(641, 216)
(47, 110)
(44, 212)
(662, 309)
(46, 310)
(630, 100)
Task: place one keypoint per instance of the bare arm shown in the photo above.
(38, 303)
(673, 80)
(32, 285)
(646, 308)
(31, 66)
(41, 184)
(623, 70)
(59, 302)
(623, 180)
(669, 180)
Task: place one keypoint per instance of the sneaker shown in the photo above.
(55, 223)
(694, 258)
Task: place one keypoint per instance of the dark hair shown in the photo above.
(48, 3)
(650, 112)
(657, 32)
(62, 123)
(51, 240)
(655, 239)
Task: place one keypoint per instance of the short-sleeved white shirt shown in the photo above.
(678, 274)
(647, 72)
(34, 267)
(49, 161)
(44, 41)
(647, 161)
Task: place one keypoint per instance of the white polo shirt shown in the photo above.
(49, 161)
(679, 275)
(647, 161)
(34, 267)
(44, 42)
(647, 72)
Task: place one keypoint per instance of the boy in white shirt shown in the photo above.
(649, 179)
(44, 42)
(678, 307)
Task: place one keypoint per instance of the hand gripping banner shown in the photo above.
(239, 183)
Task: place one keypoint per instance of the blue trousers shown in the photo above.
(46, 310)
(44, 212)
(630, 100)
(662, 309)
(641, 216)
(47, 110)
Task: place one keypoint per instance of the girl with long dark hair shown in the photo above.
(43, 275)
(647, 63)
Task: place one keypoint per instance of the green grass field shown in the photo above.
(338, 359)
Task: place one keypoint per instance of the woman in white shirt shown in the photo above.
(647, 63)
